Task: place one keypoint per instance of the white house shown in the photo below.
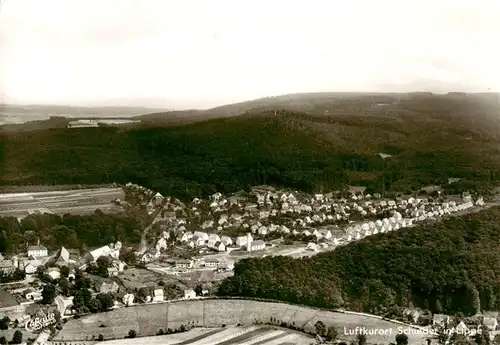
(103, 251)
(54, 272)
(211, 263)
(128, 299)
(30, 268)
(219, 246)
(199, 241)
(189, 294)
(242, 241)
(37, 251)
(214, 237)
(257, 245)
(491, 323)
(158, 295)
(226, 240)
(312, 246)
(202, 235)
(186, 236)
(184, 264)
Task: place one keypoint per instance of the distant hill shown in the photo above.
(430, 139)
(477, 112)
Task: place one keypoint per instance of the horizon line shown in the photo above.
(101, 103)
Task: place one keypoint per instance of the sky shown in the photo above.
(204, 53)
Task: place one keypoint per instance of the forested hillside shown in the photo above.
(70, 231)
(452, 266)
(289, 150)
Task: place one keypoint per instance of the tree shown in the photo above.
(401, 339)
(17, 338)
(332, 333)
(132, 333)
(128, 256)
(48, 294)
(198, 289)
(482, 337)
(475, 301)
(100, 337)
(64, 271)
(106, 301)
(4, 323)
(320, 328)
(3, 341)
(64, 286)
(361, 339)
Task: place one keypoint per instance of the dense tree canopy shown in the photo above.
(70, 231)
(449, 266)
(292, 150)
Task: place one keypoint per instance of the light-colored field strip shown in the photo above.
(225, 335)
(60, 202)
(292, 338)
(265, 336)
(170, 339)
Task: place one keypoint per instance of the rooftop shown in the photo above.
(30, 248)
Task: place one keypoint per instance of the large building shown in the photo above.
(37, 251)
(7, 266)
(83, 123)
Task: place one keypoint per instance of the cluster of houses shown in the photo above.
(468, 327)
(320, 219)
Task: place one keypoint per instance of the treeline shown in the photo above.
(231, 154)
(70, 231)
(452, 266)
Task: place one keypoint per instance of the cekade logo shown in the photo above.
(38, 323)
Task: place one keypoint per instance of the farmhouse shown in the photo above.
(7, 266)
(491, 323)
(63, 258)
(37, 251)
(31, 294)
(54, 273)
(184, 264)
(107, 288)
(226, 240)
(97, 253)
(189, 294)
(158, 295)
(219, 246)
(257, 245)
(440, 319)
(128, 299)
(30, 268)
(242, 240)
(212, 263)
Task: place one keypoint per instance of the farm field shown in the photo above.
(76, 201)
(147, 320)
(262, 335)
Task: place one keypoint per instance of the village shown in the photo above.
(189, 247)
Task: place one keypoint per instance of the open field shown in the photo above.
(135, 278)
(147, 320)
(76, 201)
(226, 336)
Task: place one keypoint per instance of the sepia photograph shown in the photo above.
(249, 172)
